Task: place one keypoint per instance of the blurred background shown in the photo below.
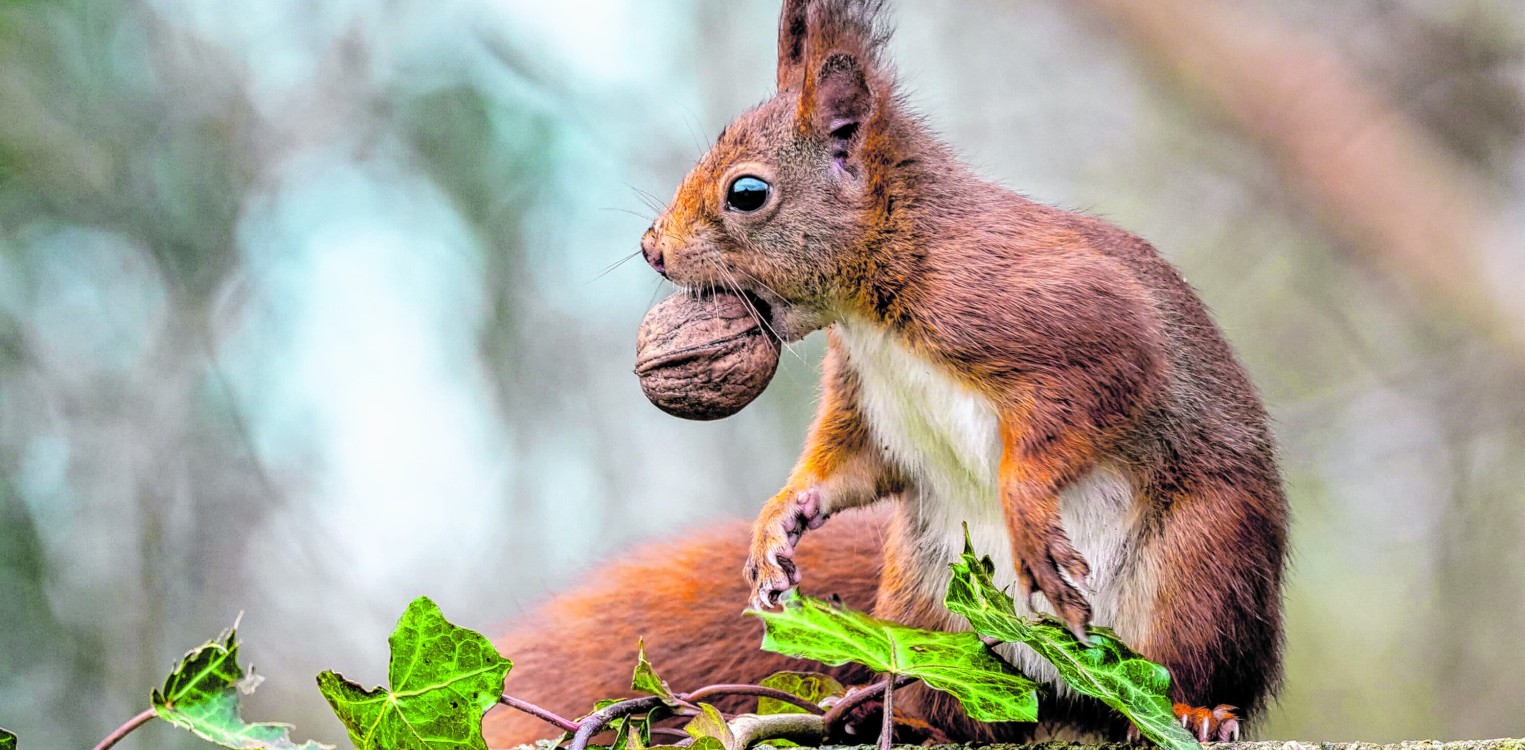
(309, 307)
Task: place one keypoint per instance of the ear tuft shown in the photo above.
(793, 28)
(855, 26)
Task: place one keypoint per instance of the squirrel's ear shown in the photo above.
(842, 102)
(793, 26)
(844, 79)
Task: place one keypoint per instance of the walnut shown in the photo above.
(704, 356)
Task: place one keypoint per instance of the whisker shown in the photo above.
(648, 194)
(692, 121)
(654, 291)
(641, 216)
(759, 282)
(650, 200)
(775, 293)
(616, 264)
(729, 282)
(756, 314)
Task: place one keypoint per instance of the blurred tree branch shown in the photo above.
(1378, 182)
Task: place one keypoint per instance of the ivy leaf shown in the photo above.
(7, 740)
(645, 679)
(640, 735)
(710, 725)
(1107, 669)
(956, 663)
(629, 734)
(442, 678)
(616, 726)
(652, 717)
(812, 686)
(201, 695)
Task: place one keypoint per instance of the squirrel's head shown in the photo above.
(779, 207)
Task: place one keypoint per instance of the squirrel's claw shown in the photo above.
(1220, 724)
(1051, 566)
(771, 568)
(767, 587)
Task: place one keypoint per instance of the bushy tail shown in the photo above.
(685, 598)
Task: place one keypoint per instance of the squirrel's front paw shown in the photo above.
(770, 568)
(1047, 563)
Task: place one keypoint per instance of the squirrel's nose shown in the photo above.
(653, 252)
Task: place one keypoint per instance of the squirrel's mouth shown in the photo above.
(773, 314)
(768, 313)
(779, 318)
(786, 321)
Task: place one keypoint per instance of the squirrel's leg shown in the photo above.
(1218, 553)
(1037, 462)
(838, 469)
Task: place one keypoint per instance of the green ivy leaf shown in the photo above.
(617, 725)
(703, 743)
(710, 725)
(640, 735)
(645, 679)
(629, 734)
(652, 717)
(956, 663)
(201, 695)
(443, 678)
(1107, 669)
(812, 686)
(7, 740)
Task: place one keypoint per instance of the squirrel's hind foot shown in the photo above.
(1219, 724)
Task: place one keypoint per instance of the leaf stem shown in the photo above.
(564, 724)
(854, 700)
(757, 690)
(585, 729)
(670, 732)
(595, 722)
(122, 731)
(887, 730)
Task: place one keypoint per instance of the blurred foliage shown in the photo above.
(286, 287)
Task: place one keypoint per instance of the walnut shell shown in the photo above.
(704, 356)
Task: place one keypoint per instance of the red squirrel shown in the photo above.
(1042, 375)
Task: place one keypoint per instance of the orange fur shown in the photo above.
(685, 599)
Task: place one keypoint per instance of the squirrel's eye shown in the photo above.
(746, 194)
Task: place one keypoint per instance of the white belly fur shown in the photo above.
(945, 437)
